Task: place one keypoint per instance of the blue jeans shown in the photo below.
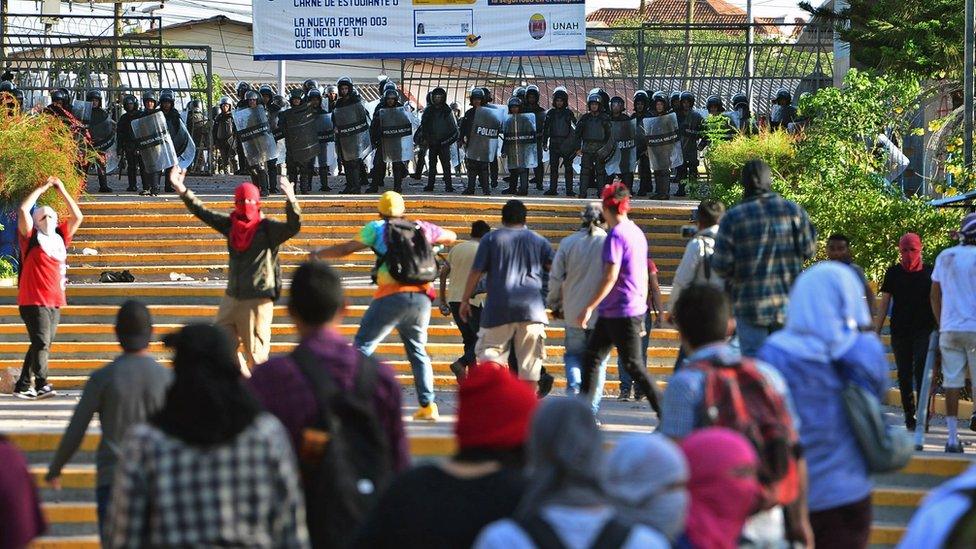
(409, 313)
(751, 336)
(575, 343)
(626, 382)
(103, 496)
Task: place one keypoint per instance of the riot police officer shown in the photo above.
(150, 179)
(557, 137)
(618, 113)
(316, 103)
(99, 116)
(593, 135)
(223, 137)
(478, 171)
(126, 141)
(644, 174)
(691, 125)
(784, 113)
(439, 130)
(355, 168)
(530, 105)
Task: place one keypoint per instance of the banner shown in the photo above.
(362, 29)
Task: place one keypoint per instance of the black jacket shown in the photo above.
(593, 132)
(437, 124)
(223, 128)
(559, 125)
(125, 138)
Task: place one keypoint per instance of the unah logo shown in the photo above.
(537, 26)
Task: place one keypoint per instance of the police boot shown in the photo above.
(682, 190)
(469, 190)
(324, 180)
(449, 186)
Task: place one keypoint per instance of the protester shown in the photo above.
(254, 273)
(946, 517)
(482, 483)
(515, 261)
(646, 476)
(285, 386)
(703, 317)
(395, 304)
(906, 288)
(41, 286)
(696, 263)
(564, 503)
(723, 488)
(621, 298)
(455, 271)
(20, 506)
(954, 307)
(827, 342)
(839, 249)
(123, 393)
(571, 283)
(760, 249)
(210, 468)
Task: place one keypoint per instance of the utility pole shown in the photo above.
(3, 34)
(749, 40)
(281, 78)
(690, 18)
(115, 79)
(968, 59)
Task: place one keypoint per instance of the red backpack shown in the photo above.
(737, 396)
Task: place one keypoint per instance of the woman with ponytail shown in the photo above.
(906, 288)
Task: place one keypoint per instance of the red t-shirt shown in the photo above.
(42, 277)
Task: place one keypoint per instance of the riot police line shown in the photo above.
(260, 133)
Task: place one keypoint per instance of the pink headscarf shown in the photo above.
(723, 487)
(910, 248)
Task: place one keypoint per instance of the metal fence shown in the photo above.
(94, 52)
(704, 58)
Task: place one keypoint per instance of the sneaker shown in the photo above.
(427, 413)
(46, 392)
(459, 372)
(953, 448)
(624, 397)
(26, 394)
(545, 385)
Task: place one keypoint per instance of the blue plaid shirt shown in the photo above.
(760, 249)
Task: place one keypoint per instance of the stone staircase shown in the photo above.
(154, 239)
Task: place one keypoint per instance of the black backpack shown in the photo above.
(613, 535)
(344, 459)
(409, 255)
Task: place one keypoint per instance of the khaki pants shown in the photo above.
(248, 321)
(528, 340)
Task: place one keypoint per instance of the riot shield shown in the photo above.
(254, 134)
(396, 128)
(301, 135)
(776, 114)
(327, 146)
(186, 149)
(691, 133)
(352, 130)
(103, 134)
(661, 135)
(520, 148)
(154, 143)
(624, 158)
(82, 110)
(483, 143)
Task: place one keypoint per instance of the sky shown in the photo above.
(182, 10)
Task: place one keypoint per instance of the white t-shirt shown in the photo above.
(955, 271)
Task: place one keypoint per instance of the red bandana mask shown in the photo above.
(910, 247)
(246, 217)
(610, 199)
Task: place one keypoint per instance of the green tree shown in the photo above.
(920, 38)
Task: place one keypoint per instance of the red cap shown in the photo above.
(494, 408)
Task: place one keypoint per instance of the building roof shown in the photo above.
(675, 11)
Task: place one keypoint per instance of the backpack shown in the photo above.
(409, 255)
(707, 251)
(737, 396)
(613, 535)
(344, 458)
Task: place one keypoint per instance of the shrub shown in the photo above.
(32, 148)
(831, 171)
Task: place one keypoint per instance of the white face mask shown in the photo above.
(46, 220)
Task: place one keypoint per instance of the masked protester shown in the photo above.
(594, 136)
(126, 141)
(254, 278)
(40, 292)
(439, 130)
(557, 135)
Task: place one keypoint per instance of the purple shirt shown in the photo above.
(626, 246)
(281, 387)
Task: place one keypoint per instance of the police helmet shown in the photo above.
(60, 96)
(560, 93)
(489, 97)
(129, 100)
(390, 93)
(784, 94)
(519, 92)
(532, 89)
(515, 102)
(149, 96)
(91, 95)
(594, 97)
(715, 101)
(266, 90)
(330, 89)
(617, 100)
(252, 95)
(477, 93)
(640, 96)
(166, 96)
(226, 100)
(7, 86)
(296, 94)
(309, 84)
(688, 96)
(739, 100)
